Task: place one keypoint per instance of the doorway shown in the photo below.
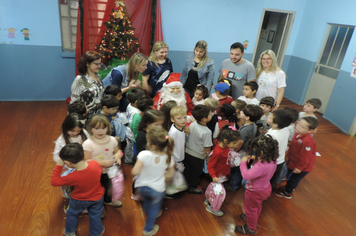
(275, 28)
(328, 66)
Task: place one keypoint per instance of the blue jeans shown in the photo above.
(236, 177)
(152, 202)
(94, 211)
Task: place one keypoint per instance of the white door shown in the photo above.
(330, 60)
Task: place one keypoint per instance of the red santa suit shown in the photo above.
(164, 95)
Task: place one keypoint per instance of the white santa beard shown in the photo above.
(178, 98)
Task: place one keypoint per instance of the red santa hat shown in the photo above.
(173, 80)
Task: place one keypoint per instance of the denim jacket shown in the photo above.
(120, 81)
(205, 73)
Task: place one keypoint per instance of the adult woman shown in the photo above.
(158, 69)
(271, 79)
(126, 76)
(88, 87)
(198, 69)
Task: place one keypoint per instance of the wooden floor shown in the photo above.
(323, 204)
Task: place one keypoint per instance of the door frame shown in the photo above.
(287, 34)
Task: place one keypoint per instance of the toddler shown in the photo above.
(218, 166)
(266, 104)
(239, 106)
(249, 91)
(153, 166)
(228, 116)
(200, 94)
(213, 105)
(221, 94)
(166, 109)
(311, 106)
(258, 187)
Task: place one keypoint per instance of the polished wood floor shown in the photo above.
(323, 204)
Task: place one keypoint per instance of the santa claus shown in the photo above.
(173, 90)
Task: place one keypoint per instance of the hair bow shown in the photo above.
(233, 128)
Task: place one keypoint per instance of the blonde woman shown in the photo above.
(198, 69)
(126, 76)
(158, 69)
(270, 78)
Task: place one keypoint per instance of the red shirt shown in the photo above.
(227, 100)
(87, 186)
(301, 153)
(217, 165)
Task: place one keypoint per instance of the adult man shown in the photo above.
(237, 69)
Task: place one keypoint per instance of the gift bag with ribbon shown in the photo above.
(233, 158)
(216, 194)
(178, 184)
(117, 181)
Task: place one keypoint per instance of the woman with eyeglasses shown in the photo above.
(88, 87)
(270, 78)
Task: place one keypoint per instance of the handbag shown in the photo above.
(216, 194)
(178, 184)
(117, 180)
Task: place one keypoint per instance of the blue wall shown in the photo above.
(36, 70)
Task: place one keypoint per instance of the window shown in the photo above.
(334, 51)
(68, 11)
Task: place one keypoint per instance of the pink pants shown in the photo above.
(253, 205)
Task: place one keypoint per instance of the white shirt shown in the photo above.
(131, 111)
(268, 84)
(179, 143)
(281, 135)
(152, 173)
(253, 101)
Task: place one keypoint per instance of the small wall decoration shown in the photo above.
(263, 34)
(270, 36)
(354, 62)
(11, 32)
(26, 34)
(245, 44)
(353, 72)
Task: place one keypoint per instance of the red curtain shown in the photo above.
(97, 11)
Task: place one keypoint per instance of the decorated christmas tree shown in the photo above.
(118, 40)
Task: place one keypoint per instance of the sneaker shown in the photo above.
(68, 234)
(206, 202)
(114, 203)
(230, 189)
(196, 190)
(243, 229)
(281, 192)
(152, 232)
(217, 213)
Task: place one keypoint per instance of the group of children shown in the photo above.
(240, 138)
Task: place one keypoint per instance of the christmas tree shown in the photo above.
(118, 39)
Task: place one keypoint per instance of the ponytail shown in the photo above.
(159, 138)
(169, 149)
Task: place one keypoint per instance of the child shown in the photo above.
(179, 119)
(279, 120)
(79, 108)
(222, 93)
(197, 148)
(131, 110)
(294, 114)
(228, 116)
(266, 104)
(87, 193)
(166, 109)
(173, 90)
(249, 115)
(151, 119)
(218, 166)
(239, 106)
(200, 94)
(114, 90)
(213, 105)
(311, 106)
(110, 105)
(151, 166)
(72, 132)
(301, 156)
(143, 104)
(249, 91)
(258, 187)
(104, 149)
